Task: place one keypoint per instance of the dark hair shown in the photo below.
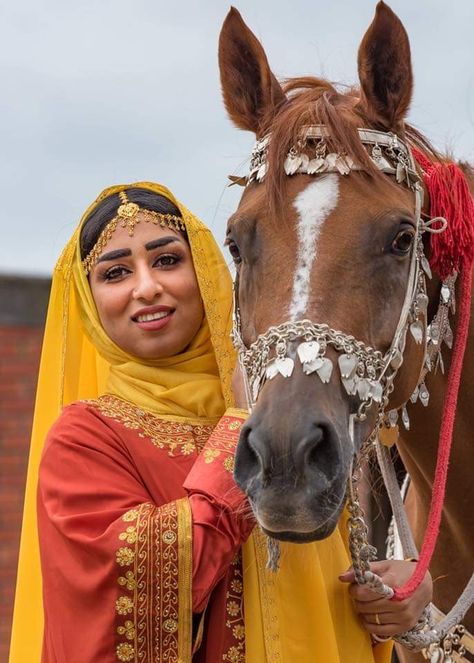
(107, 209)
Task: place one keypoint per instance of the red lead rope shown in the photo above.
(453, 250)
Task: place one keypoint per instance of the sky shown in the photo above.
(97, 92)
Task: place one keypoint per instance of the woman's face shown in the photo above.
(146, 291)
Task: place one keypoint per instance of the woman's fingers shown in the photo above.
(372, 607)
(383, 630)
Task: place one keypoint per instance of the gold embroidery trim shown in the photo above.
(185, 563)
(235, 614)
(126, 603)
(175, 437)
(154, 606)
(223, 441)
(271, 627)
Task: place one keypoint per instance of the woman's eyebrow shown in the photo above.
(149, 246)
(162, 241)
(113, 255)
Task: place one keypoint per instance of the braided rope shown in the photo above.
(466, 599)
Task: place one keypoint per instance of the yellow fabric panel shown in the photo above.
(303, 612)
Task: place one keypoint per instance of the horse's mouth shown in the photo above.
(302, 537)
(322, 531)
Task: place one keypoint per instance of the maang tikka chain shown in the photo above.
(128, 217)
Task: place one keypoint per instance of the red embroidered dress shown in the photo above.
(140, 526)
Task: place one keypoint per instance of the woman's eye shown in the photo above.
(234, 251)
(401, 245)
(167, 261)
(115, 273)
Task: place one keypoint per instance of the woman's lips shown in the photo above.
(159, 320)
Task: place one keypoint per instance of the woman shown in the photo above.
(140, 522)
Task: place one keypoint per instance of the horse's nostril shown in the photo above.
(313, 452)
(320, 451)
(253, 455)
(247, 459)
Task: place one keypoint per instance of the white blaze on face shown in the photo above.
(313, 205)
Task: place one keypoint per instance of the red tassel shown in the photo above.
(450, 198)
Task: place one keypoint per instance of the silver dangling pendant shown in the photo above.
(308, 351)
(363, 389)
(292, 163)
(312, 366)
(376, 391)
(405, 418)
(331, 160)
(415, 394)
(316, 166)
(422, 301)
(344, 165)
(445, 294)
(285, 366)
(416, 329)
(347, 365)
(349, 385)
(393, 417)
(448, 335)
(424, 395)
(325, 370)
(271, 370)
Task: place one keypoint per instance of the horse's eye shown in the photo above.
(401, 245)
(234, 251)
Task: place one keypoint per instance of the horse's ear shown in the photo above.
(251, 92)
(385, 71)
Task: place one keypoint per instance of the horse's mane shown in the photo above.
(312, 101)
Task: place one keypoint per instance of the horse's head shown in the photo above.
(333, 248)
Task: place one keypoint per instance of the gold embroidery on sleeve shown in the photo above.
(223, 441)
(154, 604)
(125, 605)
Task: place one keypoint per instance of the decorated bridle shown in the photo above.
(365, 372)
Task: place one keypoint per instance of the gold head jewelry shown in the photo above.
(127, 214)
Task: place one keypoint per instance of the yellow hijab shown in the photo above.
(302, 613)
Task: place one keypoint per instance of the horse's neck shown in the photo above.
(418, 449)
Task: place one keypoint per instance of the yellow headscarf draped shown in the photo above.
(302, 613)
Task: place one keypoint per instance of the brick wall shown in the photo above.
(22, 308)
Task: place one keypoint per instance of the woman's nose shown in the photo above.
(147, 284)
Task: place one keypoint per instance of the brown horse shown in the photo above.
(336, 249)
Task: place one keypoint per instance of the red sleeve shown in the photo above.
(114, 560)
(221, 520)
